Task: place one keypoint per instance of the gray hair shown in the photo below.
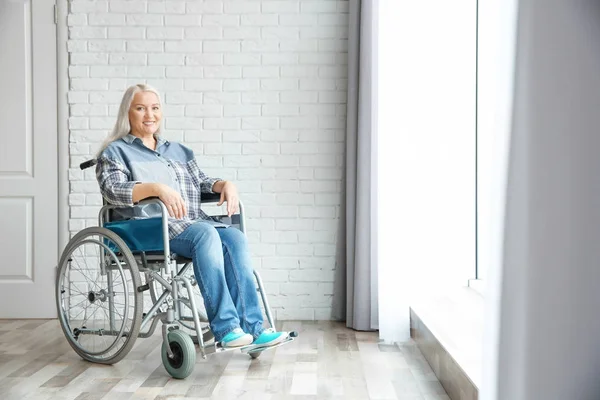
(122, 126)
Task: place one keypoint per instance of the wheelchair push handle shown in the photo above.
(88, 164)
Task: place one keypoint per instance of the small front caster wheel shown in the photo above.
(181, 365)
(254, 355)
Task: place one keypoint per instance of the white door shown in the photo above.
(28, 159)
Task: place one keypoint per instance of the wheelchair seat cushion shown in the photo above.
(139, 234)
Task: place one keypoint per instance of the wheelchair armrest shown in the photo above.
(154, 200)
(150, 200)
(206, 198)
(211, 197)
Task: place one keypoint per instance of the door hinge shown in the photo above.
(55, 14)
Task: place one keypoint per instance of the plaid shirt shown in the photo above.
(126, 162)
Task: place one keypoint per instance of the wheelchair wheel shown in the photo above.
(99, 307)
(184, 354)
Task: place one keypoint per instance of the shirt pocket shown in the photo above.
(154, 172)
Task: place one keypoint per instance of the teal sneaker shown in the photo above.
(269, 337)
(236, 338)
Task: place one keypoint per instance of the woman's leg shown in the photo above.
(240, 280)
(202, 244)
(242, 287)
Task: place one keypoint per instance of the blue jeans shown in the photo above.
(225, 276)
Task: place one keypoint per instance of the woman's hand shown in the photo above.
(229, 194)
(172, 199)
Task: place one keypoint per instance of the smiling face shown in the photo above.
(145, 114)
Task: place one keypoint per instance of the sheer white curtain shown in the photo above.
(497, 35)
(426, 154)
(410, 158)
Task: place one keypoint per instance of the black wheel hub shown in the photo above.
(177, 360)
(92, 297)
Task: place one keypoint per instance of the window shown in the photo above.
(494, 101)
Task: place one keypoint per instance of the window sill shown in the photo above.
(452, 328)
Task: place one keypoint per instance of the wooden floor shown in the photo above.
(327, 361)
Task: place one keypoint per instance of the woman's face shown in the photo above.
(144, 114)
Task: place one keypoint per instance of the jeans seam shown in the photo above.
(201, 280)
(208, 299)
(237, 281)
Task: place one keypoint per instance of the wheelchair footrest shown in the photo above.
(259, 348)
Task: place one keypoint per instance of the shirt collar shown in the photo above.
(129, 138)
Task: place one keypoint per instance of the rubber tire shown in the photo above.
(187, 352)
(255, 354)
(135, 276)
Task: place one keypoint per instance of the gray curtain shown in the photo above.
(548, 331)
(355, 297)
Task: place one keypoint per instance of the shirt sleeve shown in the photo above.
(206, 183)
(115, 181)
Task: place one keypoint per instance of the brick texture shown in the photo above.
(257, 89)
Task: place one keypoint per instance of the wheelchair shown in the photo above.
(103, 274)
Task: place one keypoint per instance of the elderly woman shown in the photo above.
(134, 163)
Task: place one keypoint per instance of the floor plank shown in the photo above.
(326, 361)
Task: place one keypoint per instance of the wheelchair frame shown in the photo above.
(153, 266)
(173, 314)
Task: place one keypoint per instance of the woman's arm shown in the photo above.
(172, 199)
(205, 182)
(115, 181)
(229, 194)
(142, 191)
(216, 185)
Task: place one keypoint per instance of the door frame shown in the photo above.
(62, 64)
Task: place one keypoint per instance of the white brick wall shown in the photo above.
(257, 89)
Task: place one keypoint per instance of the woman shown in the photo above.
(135, 163)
